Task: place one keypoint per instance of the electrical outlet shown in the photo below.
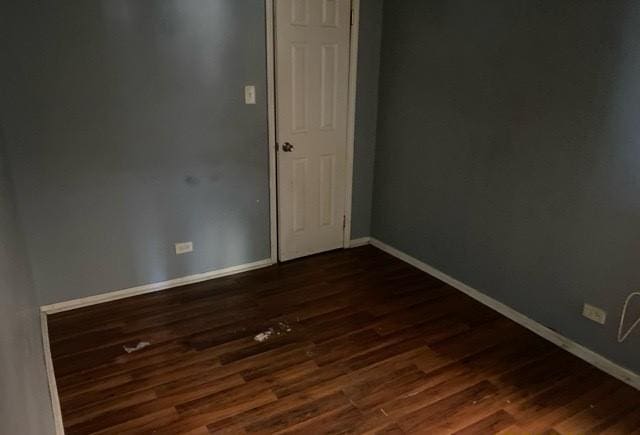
(596, 314)
(183, 248)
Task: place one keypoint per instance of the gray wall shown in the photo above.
(25, 407)
(509, 153)
(127, 132)
(366, 115)
(130, 133)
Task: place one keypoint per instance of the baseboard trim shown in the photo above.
(359, 242)
(593, 358)
(51, 377)
(151, 288)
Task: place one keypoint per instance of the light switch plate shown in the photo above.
(250, 94)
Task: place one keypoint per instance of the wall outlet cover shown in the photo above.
(184, 247)
(596, 314)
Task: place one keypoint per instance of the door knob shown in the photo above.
(287, 147)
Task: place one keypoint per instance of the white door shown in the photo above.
(312, 75)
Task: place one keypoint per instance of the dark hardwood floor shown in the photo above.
(354, 342)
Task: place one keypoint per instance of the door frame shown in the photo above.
(271, 115)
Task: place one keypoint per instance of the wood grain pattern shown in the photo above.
(361, 343)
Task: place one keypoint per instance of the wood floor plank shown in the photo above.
(290, 411)
(494, 423)
(354, 341)
(611, 400)
(433, 416)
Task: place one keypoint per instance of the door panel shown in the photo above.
(312, 75)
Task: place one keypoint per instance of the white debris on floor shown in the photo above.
(280, 329)
(141, 345)
(285, 326)
(264, 336)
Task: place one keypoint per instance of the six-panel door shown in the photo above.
(312, 75)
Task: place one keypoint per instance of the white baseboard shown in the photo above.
(580, 351)
(53, 387)
(360, 242)
(151, 288)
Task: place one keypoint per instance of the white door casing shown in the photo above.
(312, 83)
